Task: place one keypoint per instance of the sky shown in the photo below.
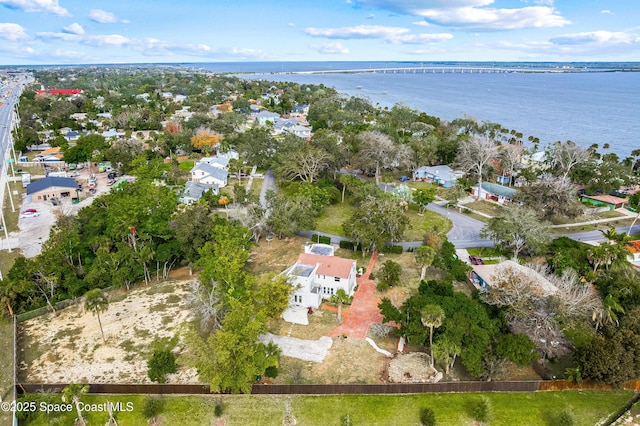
(34, 32)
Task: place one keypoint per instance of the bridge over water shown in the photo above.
(434, 70)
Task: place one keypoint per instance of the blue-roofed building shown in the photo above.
(265, 116)
(494, 192)
(442, 175)
(51, 187)
(193, 191)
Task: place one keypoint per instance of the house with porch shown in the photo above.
(318, 274)
(193, 191)
(442, 175)
(494, 192)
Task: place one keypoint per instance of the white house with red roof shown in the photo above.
(318, 274)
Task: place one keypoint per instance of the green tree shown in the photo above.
(432, 316)
(424, 196)
(425, 256)
(517, 348)
(518, 229)
(96, 301)
(390, 272)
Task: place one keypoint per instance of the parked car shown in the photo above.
(28, 214)
(405, 178)
(475, 260)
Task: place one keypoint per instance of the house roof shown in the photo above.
(196, 190)
(48, 182)
(61, 91)
(609, 199)
(50, 151)
(489, 272)
(267, 114)
(494, 188)
(634, 246)
(212, 171)
(328, 265)
(442, 172)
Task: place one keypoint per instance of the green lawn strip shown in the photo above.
(6, 366)
(485, 207)
(7, 259)
(484, 252)
(11, 217)
(186, 165)
(509, 409)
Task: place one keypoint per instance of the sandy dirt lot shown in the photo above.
(69, 347)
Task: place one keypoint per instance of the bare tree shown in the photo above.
(550, 196)
(377, 151)
(511, 156)
(565, 156)
(208, 304)
(306, 164)
(474, 154)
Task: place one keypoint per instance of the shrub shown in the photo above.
(161, 364)
(382, 286)
(481, 410)
(427, 417)
(320, 239)
(391, 272)
(218, 408)
(566, 418)
(393, 249)
(271, 371)
(346, 244)
(152, 407)
(346, 420)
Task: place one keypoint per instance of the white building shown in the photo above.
(318, 274)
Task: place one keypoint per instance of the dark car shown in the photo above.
(475, 260)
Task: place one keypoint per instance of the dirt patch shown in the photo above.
(276, 255)
(412, 368)
(69, 347)
(320, 323)
(348, 361)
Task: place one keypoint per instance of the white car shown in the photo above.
(28, 214)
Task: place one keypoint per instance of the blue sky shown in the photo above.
(88, 31)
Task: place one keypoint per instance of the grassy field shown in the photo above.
(509, 409)
(334, 216)
(486, 207)
(6, 366)
(11, 218)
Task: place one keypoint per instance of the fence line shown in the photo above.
(15, 365)
(335, 389)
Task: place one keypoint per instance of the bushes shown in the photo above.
(393, 249)
(427, 417)
(152, 407)
(161, 363)
(349, 245)
(321, 239)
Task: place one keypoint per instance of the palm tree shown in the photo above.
(425, 256)
(96, 301)
(72, 394)
(432, 316)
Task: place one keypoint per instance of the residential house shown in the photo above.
(264, 117)
(51, 187)
(605, 201)
(494, 192)
(208, 174)
(72, 135)
(300, 110)
(219, 162)
(230, 155)
(50, 155)
(193, 191)
(318, 274)
(113, 134)
(484, 276)
(442, 175)
(634, 252)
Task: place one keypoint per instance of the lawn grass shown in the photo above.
(11, 217)
(486, 207)
(186, 165)
(332, 218)
(7, 259)
(6, 366)
(484, 251)
(509, 409)
(335, 215)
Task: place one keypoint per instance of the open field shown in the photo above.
(509, 409)
(69, 347)
(486, 207)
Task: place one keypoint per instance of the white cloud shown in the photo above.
(371, 16)
(74, 28)
(330, 48)
(421, 23)
(291, 24)
(606, 12)
(395, 35)
(104, 17)
(50, 6)
(496, 19)
(88, 39)
(360, 31)
(602, 38)
(12, 32)
(474, 13)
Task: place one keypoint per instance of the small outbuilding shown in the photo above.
(604, 201)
